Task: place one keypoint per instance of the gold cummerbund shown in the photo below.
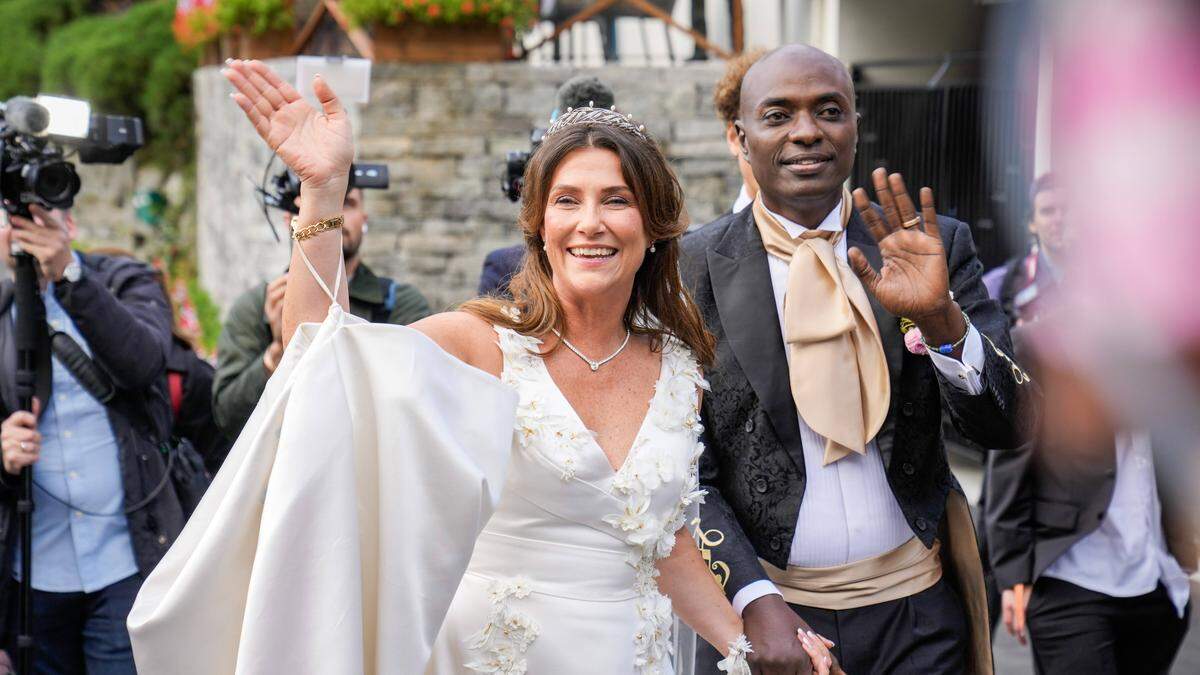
(906, 570)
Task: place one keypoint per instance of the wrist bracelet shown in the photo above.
(735, 663)
(334, 223)
(950, 347)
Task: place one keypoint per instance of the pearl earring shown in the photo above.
(652, 249)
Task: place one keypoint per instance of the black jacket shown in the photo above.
(498, 269)
(753, 465)
(1047, 494)
(128, 330)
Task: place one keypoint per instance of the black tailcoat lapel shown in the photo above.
(741, 283)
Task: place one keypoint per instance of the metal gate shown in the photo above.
(965, 144)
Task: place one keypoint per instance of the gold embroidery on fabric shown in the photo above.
(1019, 375)
(705, 541)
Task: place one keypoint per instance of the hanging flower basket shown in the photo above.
(413, 42)
(239, 29)
(242, 43)
(442, 31)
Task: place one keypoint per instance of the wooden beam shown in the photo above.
(358, 37)
(584, 14)
(647, 9)
(737, 28)
(657, 13)
(306, 32)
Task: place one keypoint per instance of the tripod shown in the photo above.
(31, 321)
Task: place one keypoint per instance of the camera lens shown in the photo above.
(55, 183)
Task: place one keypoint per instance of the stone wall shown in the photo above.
(444, 132)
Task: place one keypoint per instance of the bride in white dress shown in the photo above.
(587, 560)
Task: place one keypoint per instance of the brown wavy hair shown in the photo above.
(659, 306)
(727, 95)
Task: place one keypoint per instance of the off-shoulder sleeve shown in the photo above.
(336, 533)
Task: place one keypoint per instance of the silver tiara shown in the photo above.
(596, 116)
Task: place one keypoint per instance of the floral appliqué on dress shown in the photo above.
(562, 440)
(508, 633)
(675, 407)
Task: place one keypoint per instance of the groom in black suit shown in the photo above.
(830, 501)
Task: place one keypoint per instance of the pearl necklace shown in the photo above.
(595, 365)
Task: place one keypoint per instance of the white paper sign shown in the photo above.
(349, 78)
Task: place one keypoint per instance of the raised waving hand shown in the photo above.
(317, 144)
(914, 280)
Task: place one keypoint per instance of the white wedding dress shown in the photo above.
(336, 537)
(562, 580)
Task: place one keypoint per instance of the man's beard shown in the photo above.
(350, 249)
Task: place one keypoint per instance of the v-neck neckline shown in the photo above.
(633, 446)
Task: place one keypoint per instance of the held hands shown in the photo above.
(817, 647)
(914, 281)
(317, 145)
(773, 628)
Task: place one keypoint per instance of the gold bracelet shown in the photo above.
(329, 224)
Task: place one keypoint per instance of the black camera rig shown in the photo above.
(39, 135)
(282, 190)
(513, 177)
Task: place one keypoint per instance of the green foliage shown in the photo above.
(166, 100)
(25, 24)
(207, 313)
(516, 14)
(129, 63)
(259, 16)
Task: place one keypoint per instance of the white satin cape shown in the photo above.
(335, 534)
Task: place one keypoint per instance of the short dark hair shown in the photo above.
(1044, 182)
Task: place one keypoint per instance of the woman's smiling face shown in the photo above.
(593, 229)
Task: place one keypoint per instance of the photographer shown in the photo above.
(104, 511)
(251, 343)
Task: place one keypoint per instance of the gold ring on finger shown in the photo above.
(911, 222)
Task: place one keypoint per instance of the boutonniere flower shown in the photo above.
(912, 337)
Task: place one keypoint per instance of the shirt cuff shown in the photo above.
(752, 592)
(965, 375)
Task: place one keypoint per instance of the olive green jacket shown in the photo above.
(246, 335)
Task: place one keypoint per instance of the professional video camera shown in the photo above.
(577, 92)
(282, 191)
(513, 178)
(36, 135)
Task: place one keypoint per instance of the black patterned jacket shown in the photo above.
(753, 467)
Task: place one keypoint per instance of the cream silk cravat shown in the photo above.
(837, 368)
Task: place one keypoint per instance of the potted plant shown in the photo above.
(199, 29)
(255, 29)
(441, 31)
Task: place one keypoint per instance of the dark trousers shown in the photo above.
(1075, 630)
(923, 634)
(83, 633)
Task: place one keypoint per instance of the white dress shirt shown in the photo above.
(1127, 555)
(849, 512)
(743, 200)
